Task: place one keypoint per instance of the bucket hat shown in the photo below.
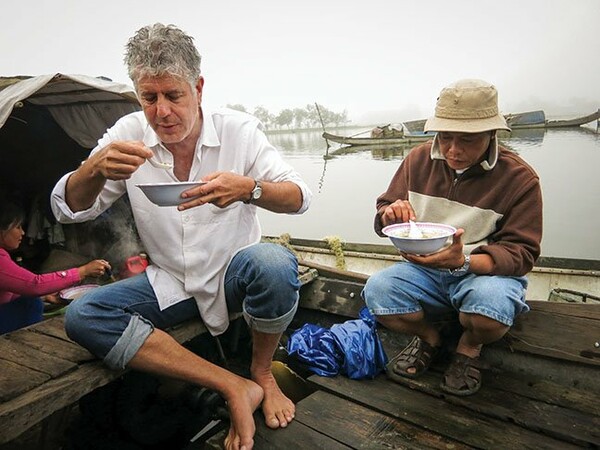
(467, 106)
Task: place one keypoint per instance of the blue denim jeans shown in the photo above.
(408, 288)
(115, 320)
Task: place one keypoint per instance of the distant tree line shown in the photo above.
(307, 117)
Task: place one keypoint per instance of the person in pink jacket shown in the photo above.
(20, 289)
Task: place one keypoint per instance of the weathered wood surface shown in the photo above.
(459, 419)
(514, 409)
(510, 411)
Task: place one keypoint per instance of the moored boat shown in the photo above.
(575, 122)
(391, 141)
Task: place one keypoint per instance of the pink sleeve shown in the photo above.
(16, 281)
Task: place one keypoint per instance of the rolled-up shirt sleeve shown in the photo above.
(63, 213)
(270, 166)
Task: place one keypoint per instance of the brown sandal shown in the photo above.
(463, 376)
(418, 355)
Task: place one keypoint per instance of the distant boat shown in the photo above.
(537, 119)
(415, 127)
(393, 140)
(529, 119)
(573, 122)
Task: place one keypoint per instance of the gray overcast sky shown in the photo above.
(361, 56)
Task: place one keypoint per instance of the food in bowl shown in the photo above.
(168, 194)
(435, 236)
(73, 293)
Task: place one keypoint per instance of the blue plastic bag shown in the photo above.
(352, 348)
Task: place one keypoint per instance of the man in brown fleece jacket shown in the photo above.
(465, 179)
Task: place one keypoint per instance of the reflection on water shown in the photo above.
(322, 179)
(346, 184)
(381, 152)
(522, 138)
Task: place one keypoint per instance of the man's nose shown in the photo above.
(454, 147)
(163, 108)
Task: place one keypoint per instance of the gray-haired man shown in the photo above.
(206, 256)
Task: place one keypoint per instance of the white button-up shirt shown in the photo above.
(190, 250)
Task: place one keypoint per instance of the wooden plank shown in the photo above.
(55, 327)
(539, 416)
(23, 412)
(436, 415)
(536, 388)
(16, 379)
(559, 336)
(26, 356)
(51, 345)
(584, 310)
(332, 272)
(296, 436)
(360, 427)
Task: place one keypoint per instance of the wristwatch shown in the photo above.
(256, 192)
(462, 270)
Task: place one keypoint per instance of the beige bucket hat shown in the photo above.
(467, 106)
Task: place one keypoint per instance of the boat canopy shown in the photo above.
(49, 123)
(82, 106)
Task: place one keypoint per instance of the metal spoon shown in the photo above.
(414, 232)
(159, 164)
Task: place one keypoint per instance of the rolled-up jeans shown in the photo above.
(115, 320)
(406, 288)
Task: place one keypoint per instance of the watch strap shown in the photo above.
(462, 270)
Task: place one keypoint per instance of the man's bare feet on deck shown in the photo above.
(278, 410)
(247, 397)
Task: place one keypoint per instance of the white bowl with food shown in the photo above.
(434, 237)
(168, 194)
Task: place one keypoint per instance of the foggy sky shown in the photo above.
(378, 60)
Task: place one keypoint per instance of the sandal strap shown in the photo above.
(418, 354)
(463, 374)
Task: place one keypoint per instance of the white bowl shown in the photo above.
(435, 237)
(168, 194)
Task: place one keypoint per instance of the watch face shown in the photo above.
(257, 191)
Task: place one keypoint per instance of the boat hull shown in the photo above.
(391, 141)
(548, 276)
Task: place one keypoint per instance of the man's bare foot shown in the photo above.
(242, 403)
(278, 410)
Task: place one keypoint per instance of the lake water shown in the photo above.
(345, 187)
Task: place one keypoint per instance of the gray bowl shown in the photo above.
(168, 194)
(435, 237)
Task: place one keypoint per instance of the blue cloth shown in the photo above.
(352, 348)
(19, 313)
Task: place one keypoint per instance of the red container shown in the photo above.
(134, 265)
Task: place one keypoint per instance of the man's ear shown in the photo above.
(199, 88)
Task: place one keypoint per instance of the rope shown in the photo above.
(335, 245)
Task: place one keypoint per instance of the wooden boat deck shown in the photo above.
(553, 404)
(538, 397)
(42, 371)
(510, 411)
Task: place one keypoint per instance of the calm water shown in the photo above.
(346, 186)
